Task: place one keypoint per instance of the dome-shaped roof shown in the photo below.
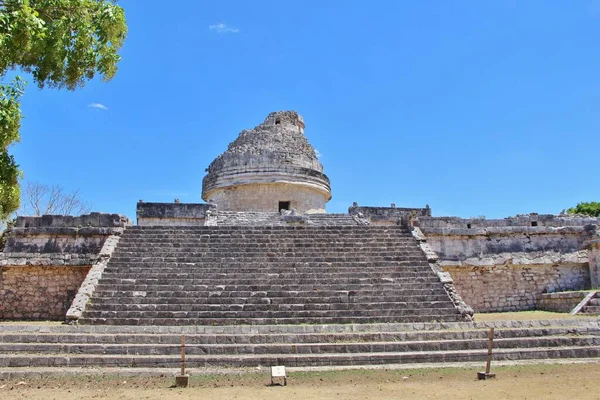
(273, 151)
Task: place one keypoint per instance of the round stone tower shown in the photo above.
(269, 168)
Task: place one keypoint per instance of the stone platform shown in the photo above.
(295, 346)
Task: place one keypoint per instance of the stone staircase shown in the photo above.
(29, 349)
(593, 306)
(268, 275)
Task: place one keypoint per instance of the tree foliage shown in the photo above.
(63, 44)
(591, 208)
(10, 122)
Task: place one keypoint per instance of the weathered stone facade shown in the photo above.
(593, 246)
(560, 301)
(172, 214)
(39, 293)
(268, 168)
(514, 287)
(389, 215)
(506, 265)
(46, 259)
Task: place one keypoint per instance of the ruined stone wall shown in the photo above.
(560, 302)
(593, 247)
(172, 214)
(506, 265)
(389, 215)
(266, 198)
(46, 259)
(39, 293)
(511, 287)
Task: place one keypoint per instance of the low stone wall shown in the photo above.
(173, 214)
(560, 302)
(506, 264)
(389, 215)
(593, 246)
(514, 287)
(39, 293)
(46, 259)
(519, 221)
(88, 220)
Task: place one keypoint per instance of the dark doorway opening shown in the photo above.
(284, 205)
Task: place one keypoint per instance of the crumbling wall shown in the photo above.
(560, 302)
(389, 215)
(173, 214)
(512, 287)
(507, 264)
(46, 259)
(39, 293)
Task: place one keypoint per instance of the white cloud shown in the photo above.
(318, 153)
(223, 28)
(98, 106)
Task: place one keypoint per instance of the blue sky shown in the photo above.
(473, 107)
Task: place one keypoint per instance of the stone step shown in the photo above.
(283, 229)
(227, 320)
(114, 276)
(342, 240)
(262, 287)
(281, 294)
(195, 251)
(272, 314)
(273, 238)
(250, 267)
(313, 306)
(288, 299)
(574, 327)
(124, 272)
(290, 338)
(302, 348)
(224, 257)
(294, 360)
(192, 279)
(235, 232)
(591, 310)
(261, 259)
(594, 302)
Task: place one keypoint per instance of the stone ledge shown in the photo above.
(47, 259)
(64, 231)
(296, 329)
(560, 301)
(505, 230)
(520, 258)
(94, 219)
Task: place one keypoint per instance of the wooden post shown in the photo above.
(182, 354)
(183, 379)
(488, 364)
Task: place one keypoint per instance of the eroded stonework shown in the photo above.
(269, 168)
(508, 264)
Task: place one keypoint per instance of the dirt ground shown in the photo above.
(578, 381)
